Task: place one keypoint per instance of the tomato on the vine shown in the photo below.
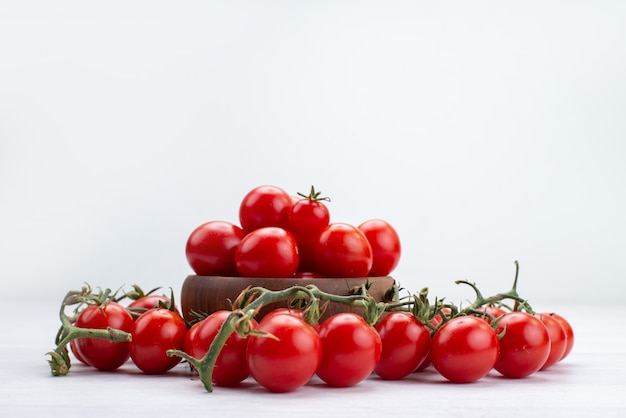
(385, 243)
(342, 250)
(524, 347)
(558, 339)
(98, 352)
(464, 349)
(265, 206)
(230, 367)
(153, 333)
(210, 248)
(351, 349)
(267, 252)
(405, 345)
(288, 357)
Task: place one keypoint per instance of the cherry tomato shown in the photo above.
(342, 250)
(153, 333)
(288, 361)
(558, 339)
(569, 333)
(464, 349)
(351, 349)
(230, 367)
(307, 219)
(98, 352)
(524, 347)
(267, 252)
(265, 206)
(211, 248)
(405, 344)
(385, 243)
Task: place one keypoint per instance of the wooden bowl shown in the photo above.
(207, 294)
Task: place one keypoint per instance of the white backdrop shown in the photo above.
(484, 131)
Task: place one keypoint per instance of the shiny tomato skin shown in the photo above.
(101, 353)
(230, 367)
(342, 250)
(558, 339)
(405, 345)
(464, 349)
(307, 218)
(288, 362)
(153, 333)
(351, 349)
(265, 206)
(524, 347)
(569, 333)
(385, 243)
(210, 248)
(267, 252)
(74, 350)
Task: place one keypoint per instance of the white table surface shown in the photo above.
(591, 381)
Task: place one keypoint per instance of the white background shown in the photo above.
(484, 131)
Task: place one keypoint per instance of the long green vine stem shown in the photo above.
(252, 300)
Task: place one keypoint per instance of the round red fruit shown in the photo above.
(265, 206)
(267, 252)
(211, 248)
(342, 250)
(98, 352)
(385, 243)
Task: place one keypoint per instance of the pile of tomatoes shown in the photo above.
(283, 351)
(281, 236)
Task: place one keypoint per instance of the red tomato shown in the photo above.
(98, 352)
(385, 244)
(230, 367)
(569, 333)
(558, 339)
(307, 219)
(287, 362)
(405, 345)
(351, 349)
(211, 248)
(265, 206)
(524, 347)
(342, 250)
(464, 349)
(153, 333)
(267, 252)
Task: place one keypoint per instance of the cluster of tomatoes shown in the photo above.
(516, 344)
(281, 236)
(283, 352)
(153, 323)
